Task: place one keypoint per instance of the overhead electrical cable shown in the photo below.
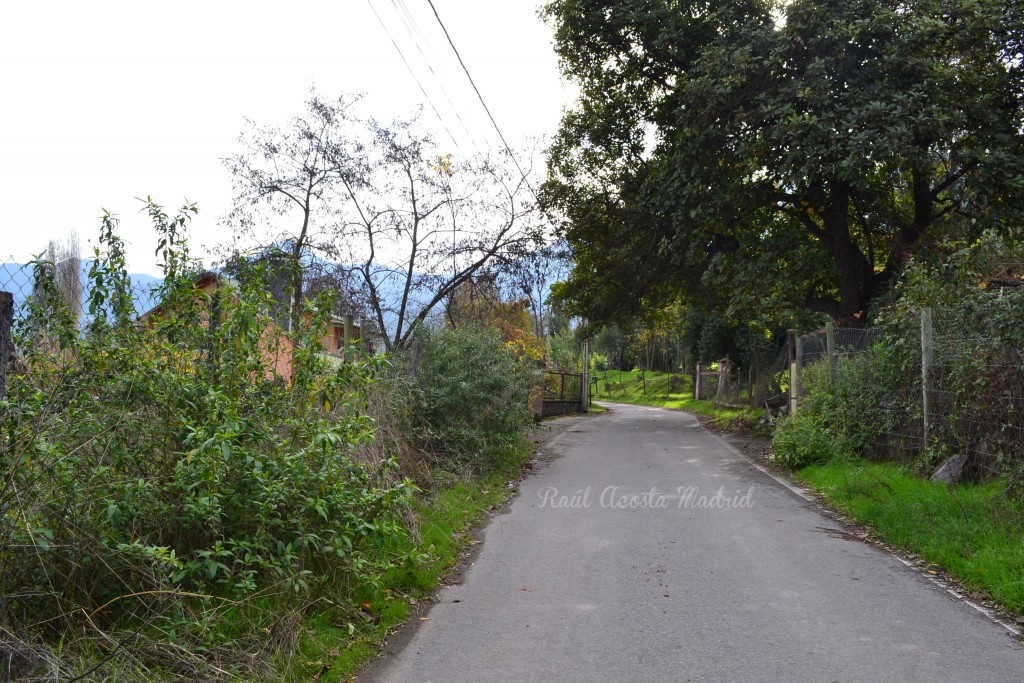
(488, 110)
(419, 39)
(413, 74)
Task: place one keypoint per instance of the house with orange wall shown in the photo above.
(277, 347)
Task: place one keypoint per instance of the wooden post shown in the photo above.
(927, 350)
(6, 320)
(697, 371)
(830, 347)
(799, 365)
(794, 371)
(585, 379)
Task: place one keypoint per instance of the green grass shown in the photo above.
(973, 532)
(627, 387)
(347, 637)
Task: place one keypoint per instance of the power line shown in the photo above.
(413, 74)
(488, 110)
(417, 35)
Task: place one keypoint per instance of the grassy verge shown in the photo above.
(629, 387)
(973, 532)
(344, 639)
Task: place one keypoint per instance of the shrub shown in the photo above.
(157, 470)
(473, 393)
(804, 440)
(847, 417)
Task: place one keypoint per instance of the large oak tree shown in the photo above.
(793, 154)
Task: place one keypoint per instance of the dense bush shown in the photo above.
(850, 416)
(473, 391)
(156, 470)
(806, 440)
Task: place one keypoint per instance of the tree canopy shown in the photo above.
(761, 156)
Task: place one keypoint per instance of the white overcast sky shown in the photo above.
(102, 102)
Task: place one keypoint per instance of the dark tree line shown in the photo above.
(766, 157)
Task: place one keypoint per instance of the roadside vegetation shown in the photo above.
(858, 438)
(972, 531)
(664, 390)
(177, 504)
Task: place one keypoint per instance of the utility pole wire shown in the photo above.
(413, 74)
(489, 115)
(417, 36)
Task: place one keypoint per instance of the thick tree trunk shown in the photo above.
(856, 282)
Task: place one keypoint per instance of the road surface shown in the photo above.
(645, 549)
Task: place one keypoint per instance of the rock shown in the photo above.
(950, 471)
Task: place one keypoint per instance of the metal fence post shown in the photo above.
(6, 319)
(927, 351)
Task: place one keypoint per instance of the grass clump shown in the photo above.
(973, 531)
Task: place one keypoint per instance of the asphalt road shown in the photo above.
(591, 577)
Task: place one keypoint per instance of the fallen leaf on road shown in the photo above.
(524, 588)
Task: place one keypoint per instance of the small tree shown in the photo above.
(423, 223)
(295, 173)
(407, 220)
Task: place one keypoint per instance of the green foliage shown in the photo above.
(971, 531)
(154, 467)
(565, 352)
(849, 417)
(803, 151)
(675, 391)
(445, 522)
(609, 341)
(473, 394)
(805, 440)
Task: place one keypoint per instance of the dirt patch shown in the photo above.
(754, 445)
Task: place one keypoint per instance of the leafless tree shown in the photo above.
(405, 220)
(288, 180)
(66, 257)
(424, 223)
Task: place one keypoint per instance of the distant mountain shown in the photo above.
(17, 278)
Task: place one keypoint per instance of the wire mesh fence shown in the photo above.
(73, 279)
(934, 384)
(562, 386)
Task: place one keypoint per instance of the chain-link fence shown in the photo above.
(937, 383)
(72, 278)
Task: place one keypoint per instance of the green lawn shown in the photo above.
(974, 532)
(628, 387)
